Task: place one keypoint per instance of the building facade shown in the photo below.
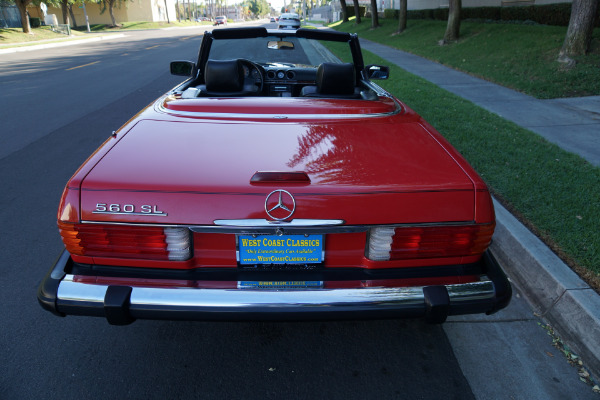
(126, 11)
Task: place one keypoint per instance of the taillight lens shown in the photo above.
(405, 243)
(120, 241)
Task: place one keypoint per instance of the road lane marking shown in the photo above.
(84, 65)
(151, 47)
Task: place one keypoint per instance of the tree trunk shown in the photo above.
(357, 12)
(22, 6)
(581, 26)
(374, 15)
(344, 11)
(111, 4)
(167, 12)
(453, 28)
(72, 15)
(64, 6)
(402, 16)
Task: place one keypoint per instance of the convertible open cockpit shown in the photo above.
(311, 67)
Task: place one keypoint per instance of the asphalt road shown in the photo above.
(58, 105)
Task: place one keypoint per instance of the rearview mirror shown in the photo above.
(183, 68)
(377, 72)
(280, 45)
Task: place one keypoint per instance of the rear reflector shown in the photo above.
(126, 241)
(404, 243)
(380, 243)
(178, 243)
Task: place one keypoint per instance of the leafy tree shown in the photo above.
(70, 7)
(64, 7)
(453, 27)
(579, 33)
(110, 4)
(257, 7)
(22, 6)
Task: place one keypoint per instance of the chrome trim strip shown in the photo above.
(263, 222)
(159, 107)
(263, 226)
(379, 90)
(236, 223)
(239, 299)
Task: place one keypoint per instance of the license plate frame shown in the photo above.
(280, 250)
(279, 285)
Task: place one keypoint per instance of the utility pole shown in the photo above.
(304, 10)
(87, 21)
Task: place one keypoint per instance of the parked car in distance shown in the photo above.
(289, 21)
(273, 19)
(277, 182)
(220, 20)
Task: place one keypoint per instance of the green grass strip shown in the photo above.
(11, 36)
(142, 25)
(518, 56)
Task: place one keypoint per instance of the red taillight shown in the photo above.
(405, 243)
(125, 241)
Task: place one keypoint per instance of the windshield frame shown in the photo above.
(261, 32)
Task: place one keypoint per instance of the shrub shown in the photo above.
(419, 14)
(35, 22)
(549, 14)
(390, 13)
(350, 8)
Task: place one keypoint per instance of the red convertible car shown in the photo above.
(276, 182)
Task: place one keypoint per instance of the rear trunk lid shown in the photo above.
(363, 171)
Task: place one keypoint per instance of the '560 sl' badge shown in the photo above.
(128, 209)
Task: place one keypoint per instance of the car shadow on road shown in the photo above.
(350, 359)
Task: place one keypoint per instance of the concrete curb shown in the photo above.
(68, 42)
(555, 291)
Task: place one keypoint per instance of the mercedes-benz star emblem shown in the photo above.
(280, 205)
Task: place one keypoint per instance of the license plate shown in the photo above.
(287, 249)
(280, 284)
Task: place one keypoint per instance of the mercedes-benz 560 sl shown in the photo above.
(278, 181)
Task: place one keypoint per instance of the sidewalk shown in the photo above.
(555, 291)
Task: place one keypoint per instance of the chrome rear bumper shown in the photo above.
(62, 294)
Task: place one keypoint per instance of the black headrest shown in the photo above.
(224, 76)
(336, 78)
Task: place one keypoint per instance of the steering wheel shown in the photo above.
(254, 76)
